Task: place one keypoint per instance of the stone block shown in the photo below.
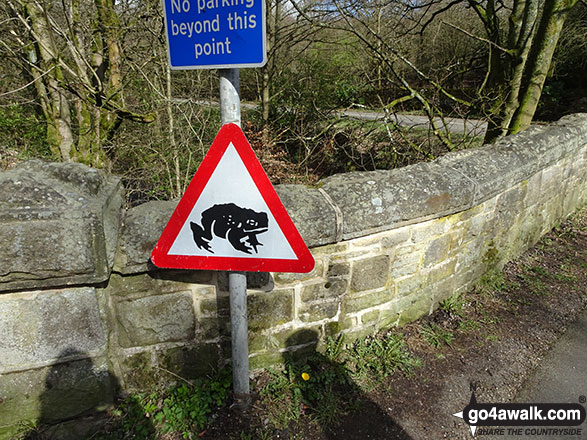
(59, 392)
(389, 317)
(405, 265)
(318, 311)
(370, 273)
(142, 226)
(265, 360)
(58, 224)
(274, 341)
(159, 281)
(436, 251)
(332, 249)
(139, 371)
(371, 317)
(267, 310)
(330, 289)
(414, 307)
(155, 319)
(442, 271)
(425, 231)
(353, 304)
(379, 200)
(211, 329)
(493, 168)
(409, 285)
(215, 306)
(190, 362)
(556, 141)
(287, 278)
(312, 215)
(338, 270)
(36, 327)
(395, 238)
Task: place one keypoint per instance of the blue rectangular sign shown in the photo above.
(215, 34)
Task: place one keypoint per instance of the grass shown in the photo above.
(437, 336)
(323, 387)
(182, 410)
(453, 305)
(326, 386)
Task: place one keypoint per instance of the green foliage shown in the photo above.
(325, 385)
(372, 359)
(436, 336)
(180, 410)
(23, 131)
(491, 282)
(454, 305)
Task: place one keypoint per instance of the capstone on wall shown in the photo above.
(84, 314)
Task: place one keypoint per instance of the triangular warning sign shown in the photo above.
(230, 217)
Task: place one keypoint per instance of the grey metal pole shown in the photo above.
(230, 111)
(230, 100)
(237, 285)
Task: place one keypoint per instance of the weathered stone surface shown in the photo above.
(436, 251)
(141, 228)
(318, 311)
(557, 140)
(36, 327)
(255, 280)
(58, 225)
(266, 310)
(155, 319)
(285, 278)
(370, 317)
(54, 393)
(338, 270)
(139, 371)
(190, 362)
(313, 217)
(266, 359)
(161, 281)
(414, 307)
(380, 200)
(493, 168)
(353, 304)
(331, 289)
(283, 339)
(370, 273)
(395, 238)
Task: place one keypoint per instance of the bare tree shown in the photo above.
(520, 39)
(72, 50)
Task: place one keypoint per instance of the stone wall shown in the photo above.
(83, 312)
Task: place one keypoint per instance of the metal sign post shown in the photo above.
(227, 35)
(230, 112)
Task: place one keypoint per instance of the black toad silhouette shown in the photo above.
(240, 226)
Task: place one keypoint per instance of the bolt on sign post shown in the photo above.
(230, 217)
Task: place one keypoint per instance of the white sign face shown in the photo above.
(227, 203)
(231, 218)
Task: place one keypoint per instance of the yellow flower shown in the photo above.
(305, 376)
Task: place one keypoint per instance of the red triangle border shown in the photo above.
(231, 133)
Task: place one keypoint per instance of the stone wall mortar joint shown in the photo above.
(339, 232)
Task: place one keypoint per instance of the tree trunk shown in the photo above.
(53, 98)
(538, 65)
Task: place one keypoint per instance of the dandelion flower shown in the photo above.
(305, 376)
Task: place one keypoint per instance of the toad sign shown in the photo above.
(230, 217)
